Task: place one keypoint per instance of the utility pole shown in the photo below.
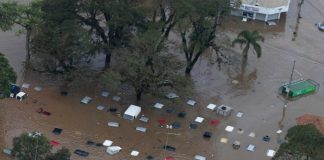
(287, 96)
(286, 100)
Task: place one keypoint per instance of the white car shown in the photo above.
(320, 26)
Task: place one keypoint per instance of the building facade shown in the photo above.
(263, 10)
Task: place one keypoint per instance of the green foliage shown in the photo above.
(62, 154)
(31, 147)
(59, 11)
(8, 14)
(7, 76)
(110, 22)
(146, 67)
(25, 15)
(60, 43)
(303, 142)
(111, 79)
(249, 38)
(65, 46)
(198, 28)
(36, 146)
(28, 16)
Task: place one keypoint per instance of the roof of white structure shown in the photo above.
(21, 94)
(133, 110)
(267, 3)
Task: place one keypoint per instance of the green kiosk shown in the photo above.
(299, 88)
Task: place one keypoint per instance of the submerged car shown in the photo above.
(81, 153)
(320, 26)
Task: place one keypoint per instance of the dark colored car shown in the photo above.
(169, 148)
(81, 153)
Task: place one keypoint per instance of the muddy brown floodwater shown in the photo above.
(257, 98)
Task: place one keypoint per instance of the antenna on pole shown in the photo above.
(292, 72)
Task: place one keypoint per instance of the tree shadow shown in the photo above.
(242, 80)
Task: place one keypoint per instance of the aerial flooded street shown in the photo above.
(256, 97)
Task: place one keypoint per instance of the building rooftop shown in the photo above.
(267, 3)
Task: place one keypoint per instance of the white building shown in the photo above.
(263, 10)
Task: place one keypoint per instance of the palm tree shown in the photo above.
(248, 38)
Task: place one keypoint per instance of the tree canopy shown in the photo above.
(60, 43)
(7, 76)
(145, 66)
(65, 35)
(198, 28)
(111, 22)
(36, 146)
(303, 142)
(28, 16)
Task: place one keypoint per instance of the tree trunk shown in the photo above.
(107, 59)
(188, 69)
(138, 95)
(163, 14)
(154, 16)
(244, 58)
(244, 63)
(28, 34)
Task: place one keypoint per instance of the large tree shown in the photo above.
(61, 43)
(304, 142)
(28, 16)
(249, 38)
(198, 29)
(112, 23)
(146, 67)
(36, 146)
(167, 13)
(7, 76)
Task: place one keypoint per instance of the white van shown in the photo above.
(21, 96)
(132, 112)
